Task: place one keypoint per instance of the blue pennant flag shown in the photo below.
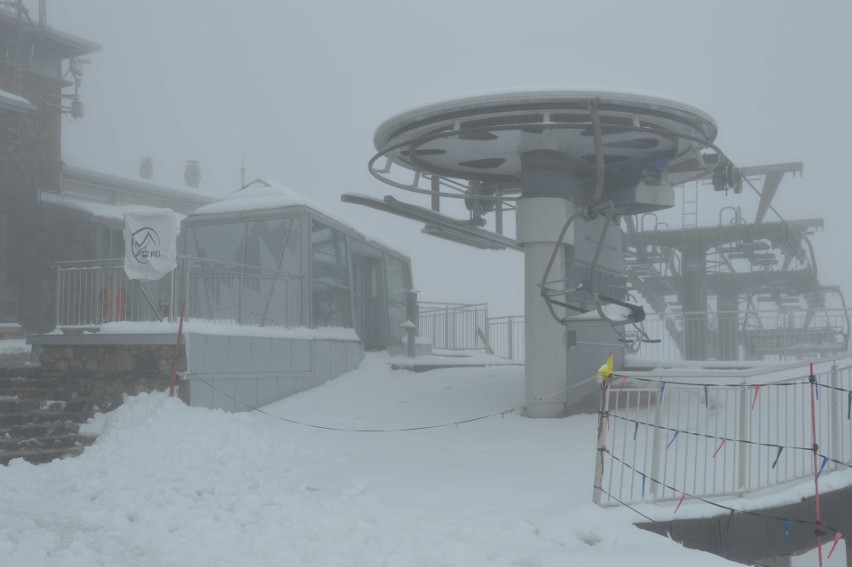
(787, 533)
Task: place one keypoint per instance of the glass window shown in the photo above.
(110, 242)
(10, 309)
(330, 277)
(221, 242)
(399, 282)
(274, 244)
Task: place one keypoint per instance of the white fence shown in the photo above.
(718, 434)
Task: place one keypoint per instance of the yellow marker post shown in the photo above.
(605, 371)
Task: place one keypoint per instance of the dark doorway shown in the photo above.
(369, 293)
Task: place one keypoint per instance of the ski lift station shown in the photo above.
(280, 295)
(708, 327)
(270, 294)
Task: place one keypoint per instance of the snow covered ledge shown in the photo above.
(227, 366)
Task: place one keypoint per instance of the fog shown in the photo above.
(295, 89)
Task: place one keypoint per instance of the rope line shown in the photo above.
(791, 382)
(370, 430)
(705, 435)
(716, 504)
(671, 532)
(797, 382)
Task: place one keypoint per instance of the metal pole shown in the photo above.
(745, 434)
(836, 415)
(656, 451)
(411, 329)
(240, 297)
(187, 266)
(599, 462)
(172, 295)
(58, 296)
(436, 189)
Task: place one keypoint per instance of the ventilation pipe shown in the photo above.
(146, 168)
(192, 173)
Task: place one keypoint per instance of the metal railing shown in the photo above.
(744, 335)
(91, 293)
(771, 336)
(248, 295)
(453, 326)
(506, 337)
(727, 434)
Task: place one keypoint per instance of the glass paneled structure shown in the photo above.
(294, 266)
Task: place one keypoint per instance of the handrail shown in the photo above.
(739, 373)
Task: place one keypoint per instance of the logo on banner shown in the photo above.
(145, 244)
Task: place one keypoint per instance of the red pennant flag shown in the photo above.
(719, 448)
(682, 498)
(756, 392)
(836, 541)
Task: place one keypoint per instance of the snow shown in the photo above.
(260, 197)
(266, 196)
(14, 346)
(103, 212)
(15, 102)
(109, 176)
(537, 94)
(165, 484)
(230, 329)
(611, 311)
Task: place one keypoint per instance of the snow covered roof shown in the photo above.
(262, 195)
(103, 213)
(189, 195)
(9, 101)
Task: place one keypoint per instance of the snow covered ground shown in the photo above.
(166, 484)
(14, 346)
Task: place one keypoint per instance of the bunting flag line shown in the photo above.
(705, 435)
(719, 505)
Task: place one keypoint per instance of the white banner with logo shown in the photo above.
(150, 244)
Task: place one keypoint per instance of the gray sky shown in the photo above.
(298, 88)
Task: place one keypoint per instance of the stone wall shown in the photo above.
(102, 375)
(147, 359)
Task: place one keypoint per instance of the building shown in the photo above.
(34, 62)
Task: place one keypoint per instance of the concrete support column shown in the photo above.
(546, 364)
